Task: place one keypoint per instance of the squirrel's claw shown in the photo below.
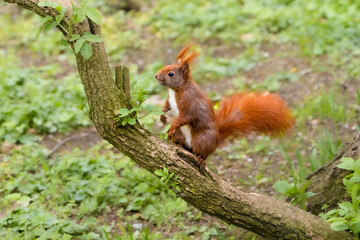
(171, 132)
(201, 161)
(163, 119)
(166, 109)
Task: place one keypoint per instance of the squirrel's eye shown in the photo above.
(171, 74)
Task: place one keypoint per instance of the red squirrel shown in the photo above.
(198, 128)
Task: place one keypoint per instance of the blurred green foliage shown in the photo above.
(41, 197)
(32, 98)
(318, 27)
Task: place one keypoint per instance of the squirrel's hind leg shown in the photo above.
(179, 139)
(201, 161)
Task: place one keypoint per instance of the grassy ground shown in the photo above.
(306, 51)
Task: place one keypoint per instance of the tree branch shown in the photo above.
(327, 181)
(208, 192)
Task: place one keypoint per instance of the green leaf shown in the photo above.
(355, 228)
(331, 212)
(47, 19)
(13, 196)
(159, 173)
(45, 22)
(323, 216)
(339, 225)
(132, 121)
(65, 116)
(354, 193)
(355, 179)
(348, 184)
(355, 219)
(49, 4)
(166, 171)
(63, 42)
(305, 185)
(24, 200)
(325, 206)
(74, 37)
(356, 173)
(282, 186)
(50, 25)
(221, 236)
(60, 8)
(86, 51)
(92, 37)
(133, 110)
(347, 163)
(310, 194)
(94, 15)
(343, 212)
(357, 201)
(27, 188)
(123, 112)
(78, 45)
(61, 15)
(79, 16)
(171, 175)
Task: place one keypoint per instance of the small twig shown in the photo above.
(57, 146)
(305, 71)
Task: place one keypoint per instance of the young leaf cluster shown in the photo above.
(295, 192)
(140, 93)
(79, 13)
(167, 178)
(83, 11)
(48, 21)
(347, 216)
(82, 43)
(127, 116)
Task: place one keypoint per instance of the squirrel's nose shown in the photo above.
(157, 75)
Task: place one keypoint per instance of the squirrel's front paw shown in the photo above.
(166, 109)
(163, 119)
(171, 132)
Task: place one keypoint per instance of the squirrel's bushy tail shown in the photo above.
(240, 114)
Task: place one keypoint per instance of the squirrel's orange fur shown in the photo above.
(200, 129)
(242, 113)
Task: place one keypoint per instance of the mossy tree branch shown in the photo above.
(206, 191)
(327, 181)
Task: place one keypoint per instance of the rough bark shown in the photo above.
(327, 180)
(205, 190)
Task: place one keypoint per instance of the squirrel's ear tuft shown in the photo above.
(179, 58)
(190, 57)
(186, 57)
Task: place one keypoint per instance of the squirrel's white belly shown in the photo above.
(184, 129)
